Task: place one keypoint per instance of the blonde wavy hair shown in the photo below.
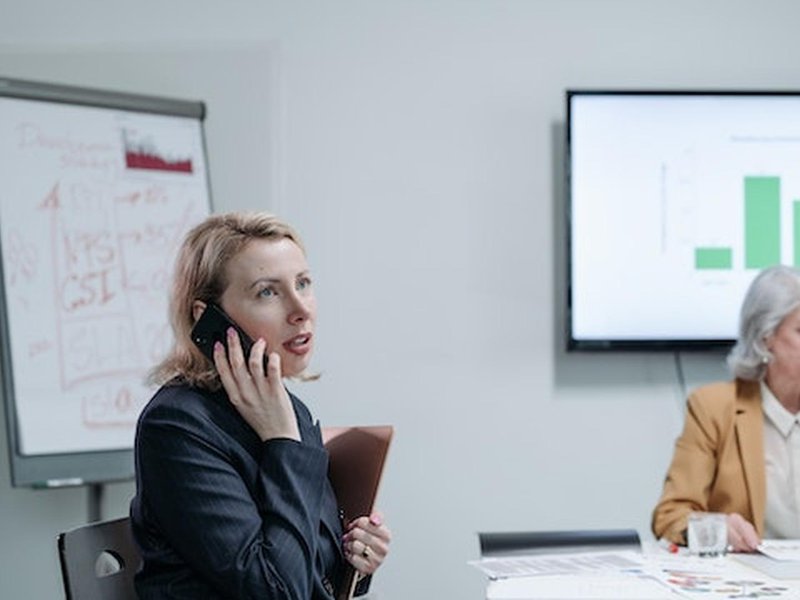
(201, 274)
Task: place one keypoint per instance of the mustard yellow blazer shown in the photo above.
(718, 465)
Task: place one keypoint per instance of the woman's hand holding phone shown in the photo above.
(259, 397)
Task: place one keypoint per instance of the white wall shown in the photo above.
(418, 147)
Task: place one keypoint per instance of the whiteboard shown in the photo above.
(97, 192)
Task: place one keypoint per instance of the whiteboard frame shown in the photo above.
(75, 468)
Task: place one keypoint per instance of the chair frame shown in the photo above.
(79, 551)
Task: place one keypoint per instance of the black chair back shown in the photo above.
(99, 560)
(548, 542)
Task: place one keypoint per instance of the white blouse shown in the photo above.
(782, 464)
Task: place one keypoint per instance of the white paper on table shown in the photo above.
(779, 569)
(721, 578)
(501, 567)
(585, 587)
(781, 549)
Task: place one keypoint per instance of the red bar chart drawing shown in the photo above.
(142, 152)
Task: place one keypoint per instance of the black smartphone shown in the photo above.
(212, 327)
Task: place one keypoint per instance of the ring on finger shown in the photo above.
(366, 552)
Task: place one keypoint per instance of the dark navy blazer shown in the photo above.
(220, 514)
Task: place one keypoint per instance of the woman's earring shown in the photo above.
(765, 360)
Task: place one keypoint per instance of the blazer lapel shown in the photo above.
(750, 437)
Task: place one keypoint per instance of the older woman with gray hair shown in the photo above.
(739, 452)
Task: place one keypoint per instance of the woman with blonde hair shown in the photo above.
(232, 493)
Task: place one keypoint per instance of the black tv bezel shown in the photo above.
(624, 344)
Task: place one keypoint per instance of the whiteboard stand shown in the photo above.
(95, 502)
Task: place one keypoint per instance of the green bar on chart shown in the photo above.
(713, 258)
(762, 222)
(796, 229)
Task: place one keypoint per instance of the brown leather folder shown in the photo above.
(357, 456)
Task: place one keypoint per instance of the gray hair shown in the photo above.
(771, 297)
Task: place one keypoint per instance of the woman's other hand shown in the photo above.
(366, 543)
(259, 397)
(742, 536)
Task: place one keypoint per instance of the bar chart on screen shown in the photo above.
(680, 200)
(761, 235)
(732, 204)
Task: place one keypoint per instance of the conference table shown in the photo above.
(652, 572)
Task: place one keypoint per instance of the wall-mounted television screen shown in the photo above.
(676, 200)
